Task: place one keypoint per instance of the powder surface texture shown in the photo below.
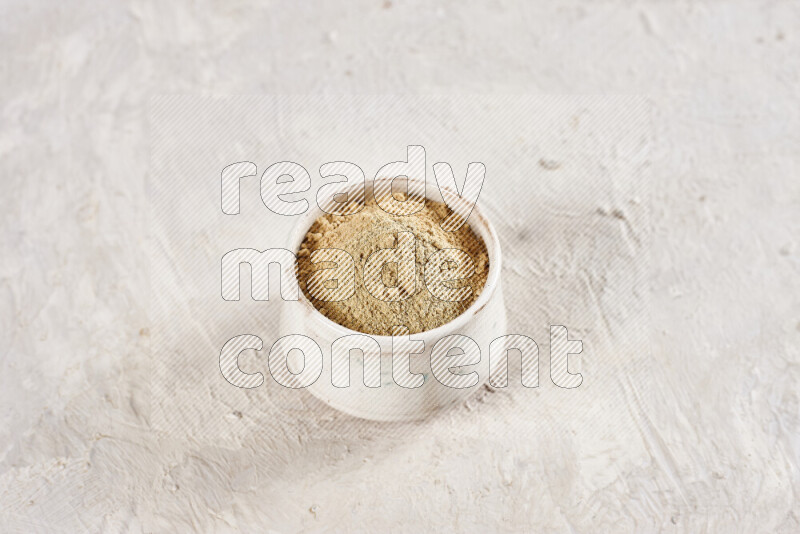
(372, 229)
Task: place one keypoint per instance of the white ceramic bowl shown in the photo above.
(483, 321)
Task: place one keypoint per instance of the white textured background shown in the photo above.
(716, 446)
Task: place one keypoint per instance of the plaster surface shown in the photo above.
(714, 443)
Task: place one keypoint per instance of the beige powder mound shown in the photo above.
(371, 229)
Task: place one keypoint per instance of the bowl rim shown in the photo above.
(302, 226)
